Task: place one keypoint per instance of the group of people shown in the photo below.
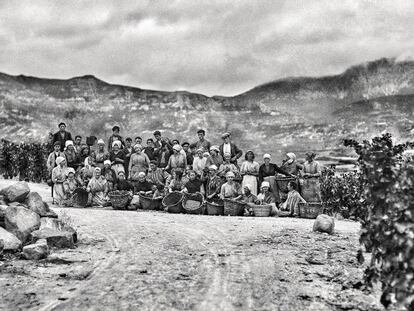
(164, 165)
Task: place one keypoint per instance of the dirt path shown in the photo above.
(157, 261)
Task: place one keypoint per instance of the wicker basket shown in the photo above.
(148, 203)
(261, 210)
(173, 202)
(310, 210)
(119, 199)
(80, 198)
(233, 208)
(214, 209)
(193, 203)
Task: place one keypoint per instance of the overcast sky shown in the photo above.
(211, 47)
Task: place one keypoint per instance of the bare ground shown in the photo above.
(128, 260)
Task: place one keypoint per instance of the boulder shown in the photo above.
(36, 251)
(2, 200)
(17, 192)
(54, 238)
(58, 225)
(10, 241)
(324, 223)
(2, 215)
(35, 203)
(21, 221)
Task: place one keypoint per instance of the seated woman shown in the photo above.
(178, 181)
(267, 197)
(194, 184)
(109, 175)
(213, 185)
(142, 186)
(58, 177)
(156, 176)
(293, 200)
(248, 197)
(227, 166)
(159, 192)
(231, 189)
(123, 184)
(97, 187)
(117, 157)
(70, 185)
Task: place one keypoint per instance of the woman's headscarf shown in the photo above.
(137, 146)
(96, 170)
(230, 174)
(107, 162)
(177, 148)
(116, 143)
(212, 167)
(206, 154)
(215, 148)
(292, 157)
(68, 143)
(265, 184)
(70, 170)
(101, 142)
(267, 156)
(59, 160)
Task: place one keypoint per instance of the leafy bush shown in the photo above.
(388, 229)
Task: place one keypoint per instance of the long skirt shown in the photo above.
(98, 198)
(251, 181)
(58, 193)
(273, 187)
(118, 168)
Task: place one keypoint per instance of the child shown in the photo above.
(159, 192)
(293, 199)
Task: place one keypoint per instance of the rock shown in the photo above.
(57, 225)
(17, 204)
(54, 238)
(2, 215)
(2, 200)
(36, 251)
(21, 221)
(10, 241)
(35, 203)
(17, 192)
(324, 223)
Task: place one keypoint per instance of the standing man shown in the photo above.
(228, 147)
(201, 143)
(114, 137)
(149, 150)
(138, 140)
(128, 151)
(78, 143)
(186, 148)
(62, 136)
(160, 142)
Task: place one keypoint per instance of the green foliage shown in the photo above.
(343, 194)
(388, 229)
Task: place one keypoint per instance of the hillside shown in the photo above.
(290, 114)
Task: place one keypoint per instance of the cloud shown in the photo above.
(211, 47)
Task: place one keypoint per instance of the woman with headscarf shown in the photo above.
(214, 157)
(199, 162)
(178, 181)
(72, 159)
(117, 157)
(100, 154)
(267, 197)
(109, 175)
(310, 186)
(97, 188)
(142, 185)
(139, 162)
(70, 185)
(227, 166)
(157, 176)
(177, 159)
(194, 184)
(290, 165)
(213, 185)
(250, 171)
(230, 189)
(311, 168)
(58, 177)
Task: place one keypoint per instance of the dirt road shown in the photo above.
(156, 261)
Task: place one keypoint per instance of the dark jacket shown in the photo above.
(273, 169)
(124, 185)
(61, 138)
(234, 150)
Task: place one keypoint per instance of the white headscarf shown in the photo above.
(117, 143)
(59, 160)
(291, 156)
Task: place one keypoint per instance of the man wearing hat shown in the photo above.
(201, 143)
(61, 136)
(114, 137)
(160, 142)
(227, 147)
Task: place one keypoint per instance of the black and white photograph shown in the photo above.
(216, 155)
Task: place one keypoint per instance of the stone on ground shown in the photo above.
(57, 225)
(324, 223)
(17, 192)
(2, 200)
(36, 251)
(2, 215)
(54, 238)
(35, 203)
(10, 241)
(21, 221)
